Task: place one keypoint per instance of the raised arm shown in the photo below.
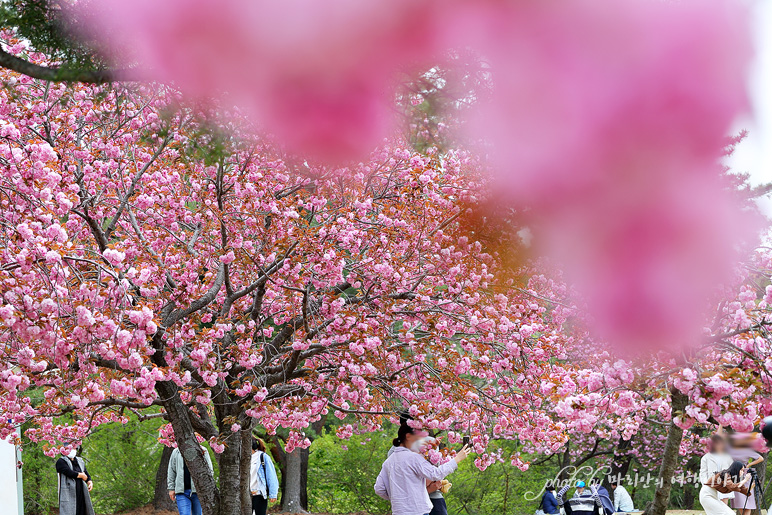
(595, 494)
(561, 495)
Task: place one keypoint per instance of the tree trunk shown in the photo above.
(246, 461)
(291, 496)
(231, 478)
(670, 457)
(622, 458)
(620, 464)
(191, 450)
(564, 463)
(161, 500)
(304, 478)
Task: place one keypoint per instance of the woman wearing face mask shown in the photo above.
(74, 485)
(405, 473)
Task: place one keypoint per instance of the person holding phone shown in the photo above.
(405, 473)
(712, 463)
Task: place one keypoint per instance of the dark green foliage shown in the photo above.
(40, 483)
(40, 22)
(122, 460)
(341, 473)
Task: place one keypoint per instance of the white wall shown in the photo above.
(10, 480)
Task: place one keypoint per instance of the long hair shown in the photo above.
(733, 472)
(258, 445)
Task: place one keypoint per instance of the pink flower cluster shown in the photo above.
(604, 119)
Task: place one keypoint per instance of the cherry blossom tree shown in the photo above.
(723, 382)
(157, 265)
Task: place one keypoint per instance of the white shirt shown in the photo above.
(712, 463)
(256, 484)
(622, 500)
(402, 481)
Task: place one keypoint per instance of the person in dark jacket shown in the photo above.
(606, 501)
(549, 504)
(74, 485)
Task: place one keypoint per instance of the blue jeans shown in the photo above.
(187, 503)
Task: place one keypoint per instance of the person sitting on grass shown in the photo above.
(623, 503)
(549, 505)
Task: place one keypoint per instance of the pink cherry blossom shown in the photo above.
(320, 76)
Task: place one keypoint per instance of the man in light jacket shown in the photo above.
(623, 503)
(180, 484)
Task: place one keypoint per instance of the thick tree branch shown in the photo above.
(62, 74)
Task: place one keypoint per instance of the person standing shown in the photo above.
(740, 449)
(713, 462)
(404, 475)
(433, 488)
(623, 503)
(182, 489)
(74, 485)
(264, 484)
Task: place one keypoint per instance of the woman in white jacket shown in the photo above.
(716, 460)
(264, 484)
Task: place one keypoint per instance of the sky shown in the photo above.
(754, 154)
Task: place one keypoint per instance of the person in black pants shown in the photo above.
(74, 485)
(264, 484)
(435, 496)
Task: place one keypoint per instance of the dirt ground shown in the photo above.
(148, 510)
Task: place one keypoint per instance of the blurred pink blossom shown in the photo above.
(588, 94)
(318, 75)
(608, 119)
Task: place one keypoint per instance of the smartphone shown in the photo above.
(466, 441)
